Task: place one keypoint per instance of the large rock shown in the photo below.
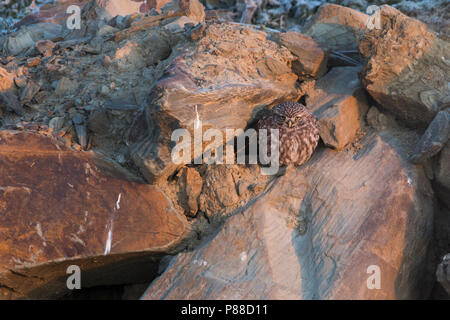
(340, 104)
(318, 234)
(408, 69)
(59, 207)
(337, 27)
(8, 93)
(57, 12)
(27, 36)
(219, 81)
(442, 174)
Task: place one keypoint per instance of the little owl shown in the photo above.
(298, 132)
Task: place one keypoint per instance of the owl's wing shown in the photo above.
(265, 122)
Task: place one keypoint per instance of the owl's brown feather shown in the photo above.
(298, 132)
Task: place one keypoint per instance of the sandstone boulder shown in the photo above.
(340, 104)
(219, 80)
(59, 207)
(8, 93)
(408, 67)
(311, 236)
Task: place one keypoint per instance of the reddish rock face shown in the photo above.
(57, 205)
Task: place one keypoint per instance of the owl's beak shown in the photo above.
(290, 123)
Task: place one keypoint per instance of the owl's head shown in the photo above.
(291, 115)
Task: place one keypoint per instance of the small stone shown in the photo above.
(406, 70)
(32, 126)
(56, 123)
(442, 174)
(434, 138)
(45, 47)
(242, 187)
(443, 273)
(29, 91)
(11, 103)
(20, 81)
(120, 159)
(312, 58)
(379, 120)
(104, 90)
(78, 119)
(40, 96)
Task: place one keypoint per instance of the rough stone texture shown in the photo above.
(337, 27)
(191, 11)
(378, 120)
(190, 186)
(434, 138)
(220, 191)
(441, 245)
(340, 104)
(443, 273)
(57, 12)
(408, 70)
(107, 82)
(313, 237)
(227, 74)
(10, 102)
(29, 92)
(60, 212)
(8, 93)
(26, 37)
(88, 88)
(311, 59)
(442, 174)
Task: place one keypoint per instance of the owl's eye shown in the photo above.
(297, 118)
(282, 118)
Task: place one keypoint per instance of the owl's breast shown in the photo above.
(297, 144)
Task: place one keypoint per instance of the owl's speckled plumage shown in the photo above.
(299, 133)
